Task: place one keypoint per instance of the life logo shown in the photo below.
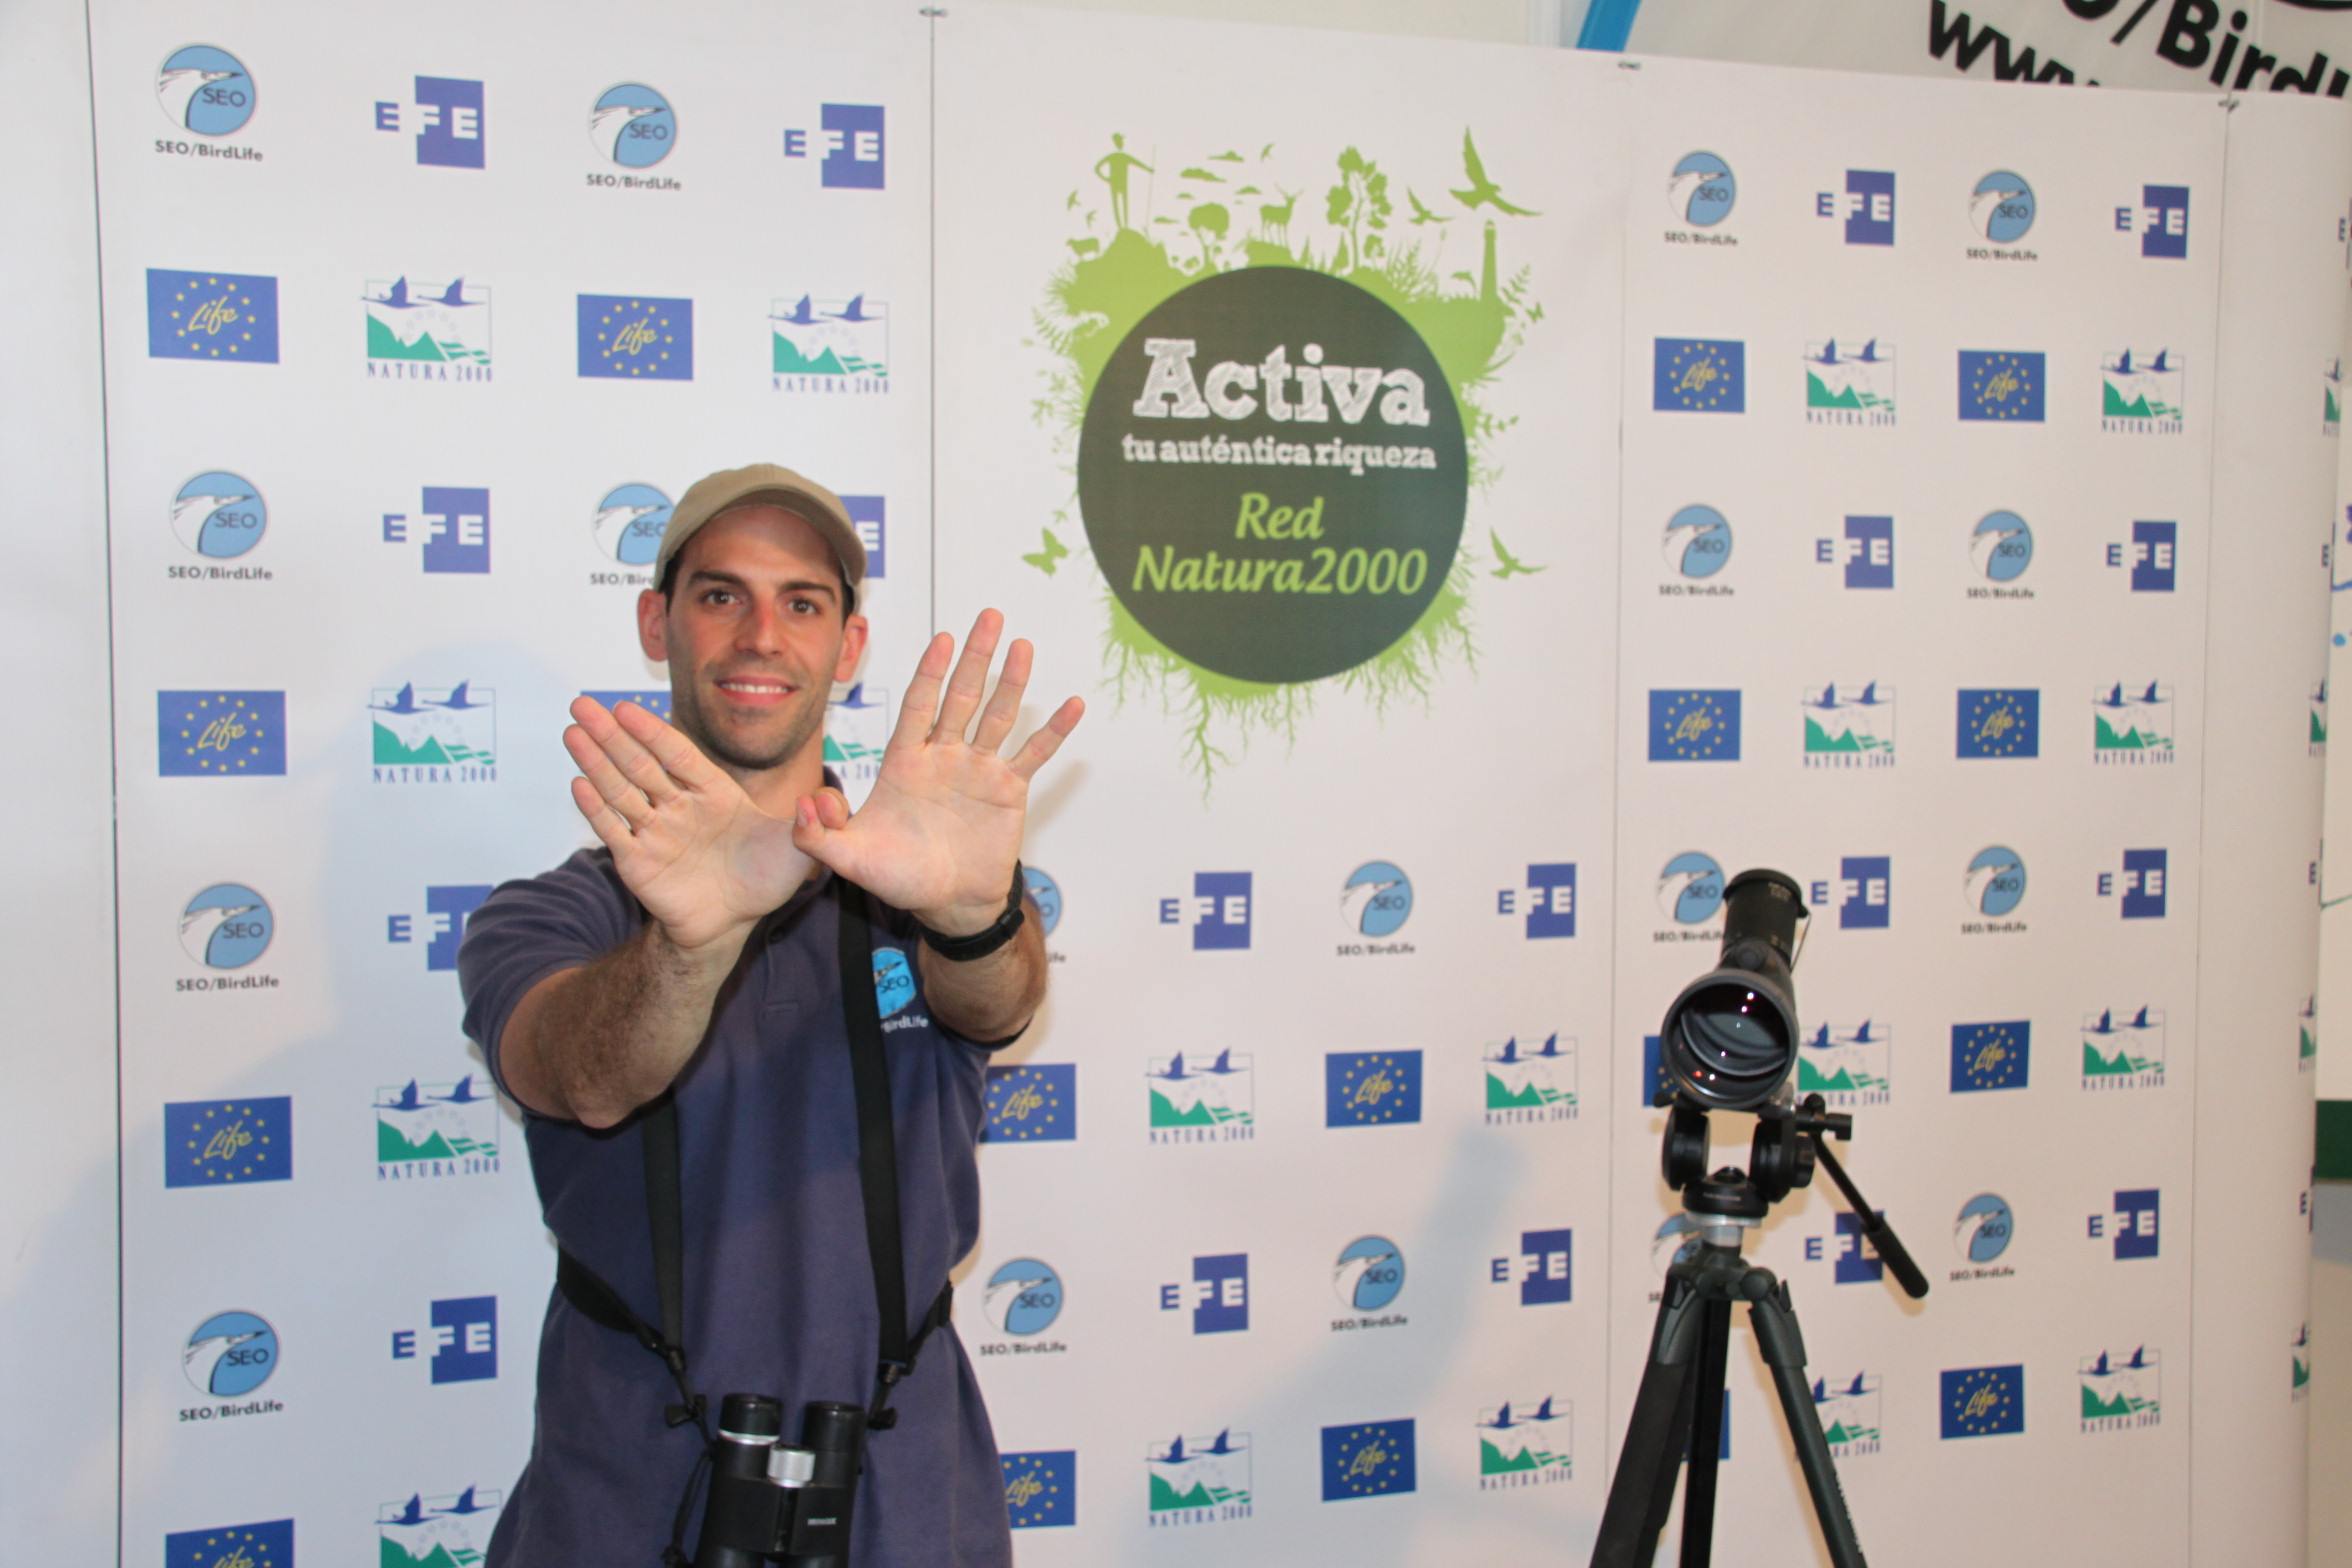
(1702, 190)
(2139, 888)
(228, 1356)
(226, 926)
(427, 1532)
(219, 516)
(1866, 552)
(2001, 208)
(1369, 1274)
(1548, 898)
(1690, 888)
(1543, 1268)
(450, 529)
(442, 924)
(445, 114)
(206, 91)
(632, 125)
(1376, 900)
(2161, 220)
(1995, 882)
(851, 145)
(1220, 911)
(460, 1341)
(1854, 1261)
(1698, 546)
(268, 1543)
(2133, 1225)
(1864, 892)
(1023, 1298)
(2000, 547)
(1867, 205)
(2151, 555)
(1218, 1294)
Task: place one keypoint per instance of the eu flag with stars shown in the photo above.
(656, 703)
(1032, 1104)
(220, 734)
(627, 337)
(2002, 387)
(2003, 722)
(1991, 1056)
(1369, 1459)
(1699, 376)
(1984, 1401)
(1371, 1088)
(212, 315)
(1041, 1489)
(218, 1143)
(1694, 726)
(269, 1544)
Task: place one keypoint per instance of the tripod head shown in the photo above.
(1789, 1144)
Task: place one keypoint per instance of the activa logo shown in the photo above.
(1218, 1294)
(2150, 555)
(2132, 1223)
(443, 921)
(2161, 220)
(2140, 882)
(1856, 1262)
(851, 143)
(446, 115)
(1867, 205)
(1543, 1267)
(453, 527)
(1220, 907)
(1863, 896)
(463, 1340)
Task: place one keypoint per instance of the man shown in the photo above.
(695, 955)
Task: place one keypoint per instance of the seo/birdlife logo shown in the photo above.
(1217, 1294)
(2001, 547)
(460, 1340)
(1219, 908)
(1367, 1278)
(2001, 207)
(1023, 1299)
(218, 515)
(1543, 1267)
(228, 1356)
(1701, 193)
(206, 91)
(1698, 547)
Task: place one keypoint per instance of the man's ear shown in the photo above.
(853, 649)
(653, 624)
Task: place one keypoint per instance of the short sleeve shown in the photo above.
(528, 930)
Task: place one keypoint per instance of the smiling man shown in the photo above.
(670, 1011)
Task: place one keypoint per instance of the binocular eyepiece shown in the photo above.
(772, 1502)
(1730, 1040)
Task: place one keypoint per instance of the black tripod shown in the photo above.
(1679, 1408)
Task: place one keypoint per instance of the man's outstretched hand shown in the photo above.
(702, 858)
(941, 829)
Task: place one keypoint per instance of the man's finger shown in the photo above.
(922, 693)
(1004, 706)
(597, 771)
(667, 748)
(970, 678)
(1040, 747)
(832, 808)
(606, 823)
(628, 754)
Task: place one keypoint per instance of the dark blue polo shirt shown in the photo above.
(779, 1286)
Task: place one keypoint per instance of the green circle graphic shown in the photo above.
(1263, 526)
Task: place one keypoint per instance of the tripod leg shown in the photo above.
(1774, 1319)
(1651, 1460)
(1706, 1435)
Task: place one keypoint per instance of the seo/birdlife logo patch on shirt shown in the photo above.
(894, 981)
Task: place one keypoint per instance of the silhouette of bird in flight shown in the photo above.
(1512, 566)
(1044, 559)
(1422, 214)
(1483, 192)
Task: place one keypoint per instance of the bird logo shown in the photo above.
(1483, 192)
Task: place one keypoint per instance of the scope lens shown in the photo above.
(1731, 1044)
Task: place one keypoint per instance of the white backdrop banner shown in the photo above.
(1487, 496)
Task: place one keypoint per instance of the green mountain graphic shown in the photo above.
(2302, 1372)
(1818, 395)
(2121, 1065)
(789, 361)
(391, 752)
(394, 1555)
(2318, 728)
(2130, 739)
(1839, 1432)
(854, 751)
(383, 345)
(1165, 1114)
(1533, 1096)
(2138, 408)
(2310, 1046)
(2332, 415)
(1809, 1079)
(1164, 1496)
(2096, 1409)
(1818, 739)
(1492, 1462)
(392, 1146)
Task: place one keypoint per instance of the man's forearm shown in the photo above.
(613, 1034)
(992, 997)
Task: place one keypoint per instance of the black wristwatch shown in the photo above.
(963, 949)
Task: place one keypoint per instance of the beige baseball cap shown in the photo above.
(712, 494)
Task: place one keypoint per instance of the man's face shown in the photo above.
(754, 634)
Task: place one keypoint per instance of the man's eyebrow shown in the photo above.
(717, 578)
